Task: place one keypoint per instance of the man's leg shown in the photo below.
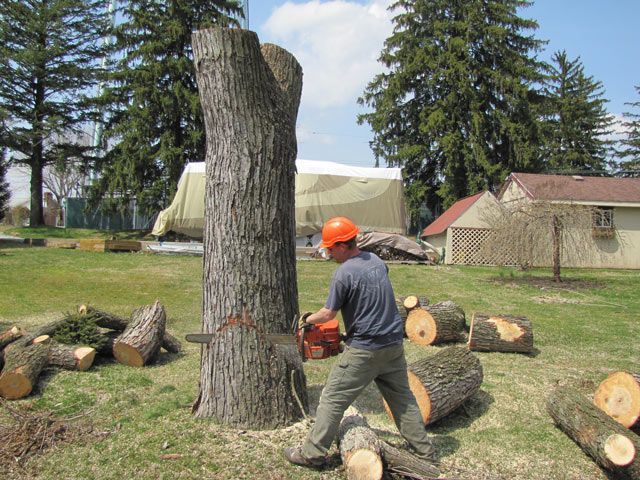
(394, 386)
(348, 377)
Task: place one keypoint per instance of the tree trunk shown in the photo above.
(21, 370)
(113, 322)
(71, 357)
(441, 322)
(619, 397)
(10, 335)
(500, 333)
(404, 463)
(557, 242)
(140, 341)
(612, 446)
(443, 382)
(359, 447)
(250, 100)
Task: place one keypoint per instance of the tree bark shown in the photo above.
(612, 446)
(441, 322)
(359, 447)
(140, 341)
(113, 322)
(443, 382)
(500, 333)
(22, 368)
(250, 99)
(10, 335)
(71, 357)
(619, 397)
(404, 463)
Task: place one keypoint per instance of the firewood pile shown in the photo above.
(73, 342)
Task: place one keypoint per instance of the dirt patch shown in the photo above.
(545, 283)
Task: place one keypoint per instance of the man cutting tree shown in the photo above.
(361, 290)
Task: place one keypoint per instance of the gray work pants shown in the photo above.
(355, 369)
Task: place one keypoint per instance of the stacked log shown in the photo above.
(140, 341)
(612, 446)
(10, 335)
(436, 323)
(443, 382)
(359, 447)
(619, 397)
(500, 333)
(23, 365)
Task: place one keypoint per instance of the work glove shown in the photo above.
(302, 320)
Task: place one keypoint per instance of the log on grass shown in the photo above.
(443, 382)
(619, 397)
(22, 368)
(611, 445)
(405, 463)
(10, 335)
(71, 357)
(436, 323)
(359, 447)
(140, 341)
(113, 322)
(500, 333)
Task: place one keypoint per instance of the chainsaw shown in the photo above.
(313, 341)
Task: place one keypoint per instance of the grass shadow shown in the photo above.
(465, 415)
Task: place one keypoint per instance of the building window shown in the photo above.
(603, 222)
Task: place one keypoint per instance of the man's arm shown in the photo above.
(321, 316)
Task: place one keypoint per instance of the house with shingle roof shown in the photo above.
(615, 229)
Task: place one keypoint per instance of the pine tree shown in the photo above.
(630, 154)
(156, 123)
(49, 61)
(456, 108)
(576, 121)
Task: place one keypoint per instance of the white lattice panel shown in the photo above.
(468, 248)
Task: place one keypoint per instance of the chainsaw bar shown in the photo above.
(274, 338)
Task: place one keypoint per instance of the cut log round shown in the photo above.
(443, 382)
(22, 368)
(140, 341)
(414, 301)
(41, 339)
(71, 357)
(10, 335)
(436, 323)
(359, 447)
(500, 333)
(619, 397)
(611, 445)
(113, 322)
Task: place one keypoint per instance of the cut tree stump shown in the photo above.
(10, 335)
(140, 341)
(443, 382)
(113, 322)
(404, 463)
(359, 447)
(436, 323)
(22, 368)
(619, 397)
(500, 333)
(612, 446)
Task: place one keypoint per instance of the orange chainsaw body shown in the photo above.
(321, 340)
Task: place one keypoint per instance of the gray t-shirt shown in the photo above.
(361, 289)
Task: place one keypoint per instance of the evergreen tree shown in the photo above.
(4, 186)
(156, 123)
(49, 60)
(630, 154)
(456, 108)
(576, 120)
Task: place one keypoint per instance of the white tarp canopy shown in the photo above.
(371, 197)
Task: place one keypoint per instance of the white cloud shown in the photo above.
(336, 42)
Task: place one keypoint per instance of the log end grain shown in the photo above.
(14, 385)
(410, 302)
(127, 355)
(619, 397)
(83, 309)
(364, 464)
(41, 339)
(422, 397)
(84, 357)
(619, 450)
(421, 327)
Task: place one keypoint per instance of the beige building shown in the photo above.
(615, 229)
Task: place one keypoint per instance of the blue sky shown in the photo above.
(337, 43)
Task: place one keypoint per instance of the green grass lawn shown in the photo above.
(74, 233)
(584, 329)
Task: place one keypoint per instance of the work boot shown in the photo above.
(294, 455)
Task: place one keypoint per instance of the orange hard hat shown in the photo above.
(337, 229)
